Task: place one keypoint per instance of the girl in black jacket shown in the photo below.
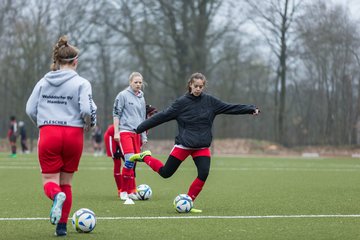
(194, 113)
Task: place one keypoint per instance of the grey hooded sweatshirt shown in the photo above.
(131, 110)
(63, 98)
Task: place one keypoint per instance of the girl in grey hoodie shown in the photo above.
(128, 112)
(61, 105)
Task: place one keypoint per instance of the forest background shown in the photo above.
(297, 60)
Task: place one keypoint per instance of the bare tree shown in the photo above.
(23, 60)
(242, 77)
(329, 44)
(170, 38)
(274, 18)
(316, 82)
(9, 12)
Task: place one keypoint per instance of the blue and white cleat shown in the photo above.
(56, 209)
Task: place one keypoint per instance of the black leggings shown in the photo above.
(172, 164)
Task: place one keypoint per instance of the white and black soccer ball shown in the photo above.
(183, 203)
(144, 192)
(84, 220)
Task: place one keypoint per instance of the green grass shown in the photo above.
(303, 193)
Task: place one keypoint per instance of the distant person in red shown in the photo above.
(12, 135)
(113, 150)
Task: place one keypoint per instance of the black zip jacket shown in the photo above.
(195, 117)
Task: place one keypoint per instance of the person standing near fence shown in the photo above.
(96, 137)
(113, 150)
(23, 137)
(61, 105)
(12, 135)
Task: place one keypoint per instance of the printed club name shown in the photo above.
(57, 99)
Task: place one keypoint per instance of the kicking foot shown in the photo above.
(139, 157)
(56, 209)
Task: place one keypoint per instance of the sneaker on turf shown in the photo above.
(60, 229)
(140, 156)
(134, 196)
(194, 210)
(56, 209)
(124, 196)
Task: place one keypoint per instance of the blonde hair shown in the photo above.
(63, 53)
(135, 74)
(192, 79)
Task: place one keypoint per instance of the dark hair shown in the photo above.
(193, 77)
(63, 53)
(12, 118)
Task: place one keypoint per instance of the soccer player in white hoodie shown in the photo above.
(61, 105)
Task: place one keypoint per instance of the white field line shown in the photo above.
(302, 169)
(201, 217)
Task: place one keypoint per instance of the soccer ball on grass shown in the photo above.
(144, 192)
(183, 203)
(84, 220)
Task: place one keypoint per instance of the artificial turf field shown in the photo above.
(245, 197)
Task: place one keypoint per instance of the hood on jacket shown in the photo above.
(139, 95)
(56, 78)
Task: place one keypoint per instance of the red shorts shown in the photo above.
(182, 154)
(130, 142)
(60, 148)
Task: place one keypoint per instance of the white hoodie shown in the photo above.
(63, 98)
